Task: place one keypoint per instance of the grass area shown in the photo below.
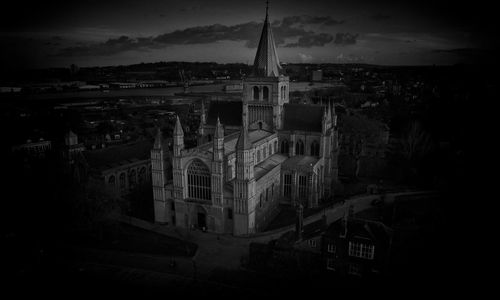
(123, 237)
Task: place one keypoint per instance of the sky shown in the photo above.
(55, 33)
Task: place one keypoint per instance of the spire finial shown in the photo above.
(267, 8)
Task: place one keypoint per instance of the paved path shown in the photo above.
(227, 252)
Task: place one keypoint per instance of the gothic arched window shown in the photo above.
(255, 93)
(270, 149)
(132, 177)
(315, 148)
(285, 148)
(122, 180)
(265, 93)
(111, 180)
(142, 175)
(198, 181)
(299, 148)
(258, 155)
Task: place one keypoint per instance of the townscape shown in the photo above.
(247, 179)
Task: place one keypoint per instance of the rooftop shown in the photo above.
(119, 155)
(231, 140)
(300, 161)
(268, 164)
(373, 230)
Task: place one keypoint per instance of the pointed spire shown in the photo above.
(243, 141)
(158, 139)
(178, 127)
(329, 117)
(203, 116)
(219, 130)
(325, 113)
(266, 61)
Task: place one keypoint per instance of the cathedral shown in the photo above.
(261, 152)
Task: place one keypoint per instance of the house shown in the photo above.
(356, 247)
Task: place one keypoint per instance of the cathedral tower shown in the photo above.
(244, 186)
(218, 165)
(178, 137)
(158, 169)
(267, 89)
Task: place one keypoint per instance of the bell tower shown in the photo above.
(267, 89)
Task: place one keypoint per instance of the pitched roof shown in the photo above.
(305, 117)
(266, 61)
(229, 113)
(376, 231)
(114, 156)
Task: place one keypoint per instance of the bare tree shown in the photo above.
(416, 144)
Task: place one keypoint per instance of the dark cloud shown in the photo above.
(110, 47)
(307, 20)
(345, 38)
(190, 8)
(380, 17)
(312, 40)
(210, 34)
(249, 33)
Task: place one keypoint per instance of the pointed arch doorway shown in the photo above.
(201, 217)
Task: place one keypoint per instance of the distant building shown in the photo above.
(356, 247)
(317, 75)
(73, 158)
(10, 89)
(34, 148)
(122, 167)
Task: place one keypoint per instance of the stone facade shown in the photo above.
(233, 181)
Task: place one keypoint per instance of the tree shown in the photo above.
(93, 205)
(416, 144)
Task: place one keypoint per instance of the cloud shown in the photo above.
(289, 28)
(351, 58)
(192, 8)
(312, 40)
(380, 17)
(110, 47)
(345, 38)
(307, 20)
(305, 58)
